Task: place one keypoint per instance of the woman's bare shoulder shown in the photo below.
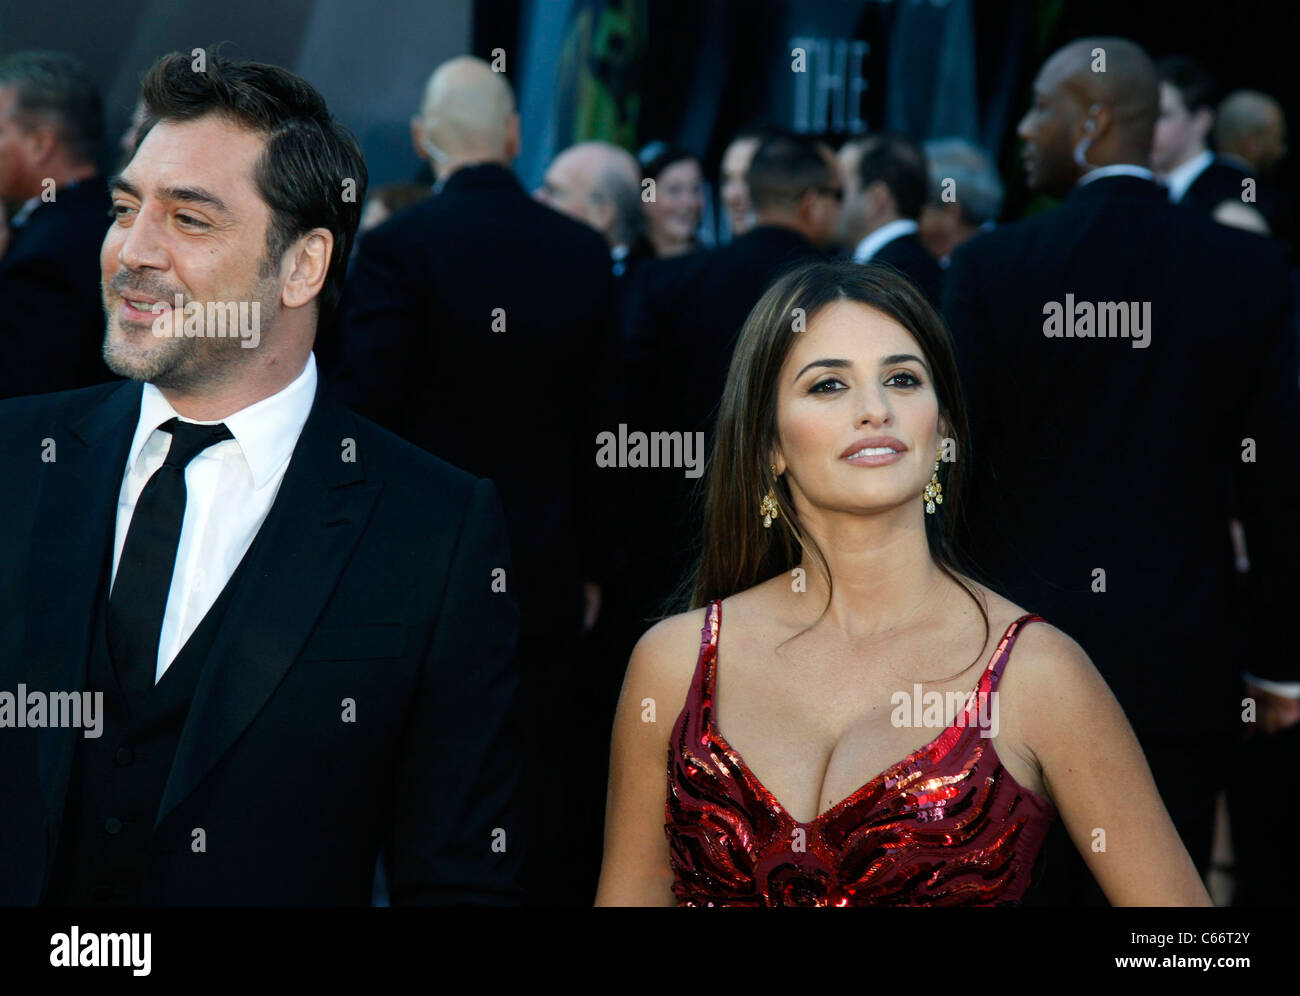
(664, 659)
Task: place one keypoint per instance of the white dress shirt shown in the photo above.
(881, 237)
(230, 488)
(1182, 177)
(1119, 169)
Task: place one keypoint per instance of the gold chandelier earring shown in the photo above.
(934, 490)
(768, 507)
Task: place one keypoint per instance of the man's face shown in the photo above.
(1272, 145)
(567, 188)
(827, 204)
(16, 165)
(1048, 131)
(852, 223)
(1174, 136)
(735, 191)
(189, 221)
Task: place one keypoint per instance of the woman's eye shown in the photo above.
(817, 388)
(908, 380)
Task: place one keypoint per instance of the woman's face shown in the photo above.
(674, 214)
(855, 380)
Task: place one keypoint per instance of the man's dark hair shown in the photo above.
(306, 161)
(54, 88)
(900, 164)
(784, 168)
(1193, 81)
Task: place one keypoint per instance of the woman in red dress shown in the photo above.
(802, 754)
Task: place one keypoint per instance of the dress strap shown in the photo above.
(705, 665)
(1008, 640)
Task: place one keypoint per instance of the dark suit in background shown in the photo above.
(908, 255)
(51, 308)
(368, 582)
(1218, 182)
(482, 326)
(685, 319)
(1089, 454)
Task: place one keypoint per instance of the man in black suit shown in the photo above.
(1125, 362)
(51, 315)
(482, 326)
(1180, 152)
(885, 187)
(686, 314)
(283, 617)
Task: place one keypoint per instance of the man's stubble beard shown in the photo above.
(189, 364)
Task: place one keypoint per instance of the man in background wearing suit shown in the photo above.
(1125, 361)
(282, 616)
(482, 326)
(51, 316)
(1180, 152)
(886, 182)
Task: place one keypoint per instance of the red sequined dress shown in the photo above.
(945, 826)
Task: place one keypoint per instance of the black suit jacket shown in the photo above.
(51, 308)
(371, 580)
(482, 326)
(1092, 455)
(1218, 182)
(684, 318)
(908, 254)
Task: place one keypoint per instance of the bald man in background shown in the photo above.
(480, 325)
(1250, 132)
(1103, 475)
(599, 184)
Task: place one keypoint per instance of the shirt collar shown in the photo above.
(266, 431)
(1182, 177)
(23, 213)
(873, 243)
(1118, 169)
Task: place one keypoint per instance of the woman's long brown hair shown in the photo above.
(736, 551)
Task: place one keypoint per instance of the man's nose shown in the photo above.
(144, 245)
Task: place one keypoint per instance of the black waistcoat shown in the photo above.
(118, 778)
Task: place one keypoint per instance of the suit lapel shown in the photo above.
(71, 543)
(298, 555)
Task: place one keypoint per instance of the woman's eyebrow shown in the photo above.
(903, 358)
(843, 364)
(837, 364)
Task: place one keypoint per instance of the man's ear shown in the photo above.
(42, 143)
(309, 266)
(1202, 122)
(602, 213)
(513, 142)
(417, 138)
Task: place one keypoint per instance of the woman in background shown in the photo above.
(673, 215)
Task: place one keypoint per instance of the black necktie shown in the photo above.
(144, 571)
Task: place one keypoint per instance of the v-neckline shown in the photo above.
(716, 734)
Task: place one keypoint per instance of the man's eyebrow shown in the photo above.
(190, 195)
(838, 364)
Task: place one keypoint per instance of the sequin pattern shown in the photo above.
(945, 826)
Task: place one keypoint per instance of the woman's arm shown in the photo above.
(1097, 775)
(635, 869)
